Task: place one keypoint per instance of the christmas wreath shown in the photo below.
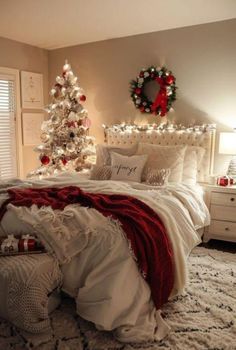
(166, 94)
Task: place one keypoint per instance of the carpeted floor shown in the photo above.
(204, 318)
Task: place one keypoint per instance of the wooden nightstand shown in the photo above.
(221, 202)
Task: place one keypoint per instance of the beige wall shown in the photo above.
(202, 58)
(28, 58)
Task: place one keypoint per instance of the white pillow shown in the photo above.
(192, 162)
(163, 157)
(103, 153)
(127, 168)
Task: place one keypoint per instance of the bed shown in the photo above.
(97, 262)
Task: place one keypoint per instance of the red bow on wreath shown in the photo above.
(161, 98)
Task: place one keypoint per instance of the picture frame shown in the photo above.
(32, 90)
(31, 126)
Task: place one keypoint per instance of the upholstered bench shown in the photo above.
(27, 283)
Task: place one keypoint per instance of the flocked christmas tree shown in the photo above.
(66, 145)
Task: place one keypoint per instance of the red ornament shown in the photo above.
(71, 124)
(45, 160)
(170, 79)
(141, 74)
(57, 85)
(138, 91)
(82, 98)
(142, 109)
(225, 181)
(64, 161)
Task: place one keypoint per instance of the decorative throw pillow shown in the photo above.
(157, 177)
(104, 156)
(163, 157)
(192, 163)
(127, 168)
(100, 172)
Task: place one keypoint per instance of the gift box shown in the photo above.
(225, 181)
(19, 245)
(27, 243)
(9, 245)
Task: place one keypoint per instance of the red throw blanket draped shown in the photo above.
(142, 226)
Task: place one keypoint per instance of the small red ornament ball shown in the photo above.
(64, 161)
(142, 109)
(138, 91)
(170, 79)
(45, 160)
(83, 98)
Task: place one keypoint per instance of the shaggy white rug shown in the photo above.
(201, 319)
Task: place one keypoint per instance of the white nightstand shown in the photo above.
(221, 202)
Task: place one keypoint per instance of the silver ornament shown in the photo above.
(60, 80)
(55, 119)
(83, 113)
(70, 147)
(72, 116)
(59, 151)
(52, 92)
(44, 137)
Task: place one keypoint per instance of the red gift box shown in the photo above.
(225, 181)
(27, 243)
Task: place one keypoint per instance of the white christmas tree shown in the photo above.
(66, 145)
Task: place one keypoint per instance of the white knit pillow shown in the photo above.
(163, 157)
(100, 172)
(127, 168)
(104, 156)
(157, 177)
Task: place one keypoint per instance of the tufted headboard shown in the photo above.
(123, 135)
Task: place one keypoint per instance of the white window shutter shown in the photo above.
(8, 159)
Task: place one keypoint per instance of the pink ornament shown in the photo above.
(86, 122)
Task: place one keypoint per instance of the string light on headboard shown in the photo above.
(149, 128)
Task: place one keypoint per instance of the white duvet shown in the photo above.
(97, 263)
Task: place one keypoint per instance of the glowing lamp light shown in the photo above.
(227, 145)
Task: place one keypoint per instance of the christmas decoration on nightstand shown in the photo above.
(166, 93)
(66, 145)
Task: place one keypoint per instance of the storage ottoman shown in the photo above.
(26, 282)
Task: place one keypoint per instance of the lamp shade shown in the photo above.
(227, 144)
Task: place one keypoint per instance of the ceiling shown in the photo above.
(51, 24)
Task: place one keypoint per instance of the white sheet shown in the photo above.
(98, 268)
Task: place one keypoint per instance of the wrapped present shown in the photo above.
(27, 243)
(19, 245)
(225, 181)
(9, 245)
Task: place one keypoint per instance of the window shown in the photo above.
(8, 125)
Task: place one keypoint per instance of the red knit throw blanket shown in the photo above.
(142, 226)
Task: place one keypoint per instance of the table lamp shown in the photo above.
(227, 145)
